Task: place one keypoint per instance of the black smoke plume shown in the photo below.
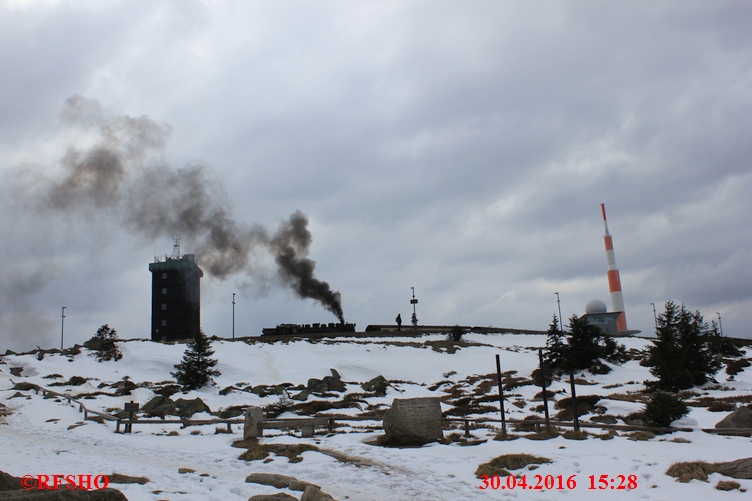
(290, 247)
(121, 175)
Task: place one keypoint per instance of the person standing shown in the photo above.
(399, 321)
(414, 320)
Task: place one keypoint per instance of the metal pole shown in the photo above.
(233, 315)
(720, 325)
(575, 419)
(501, 396)
(561, 320)
(62, 327)
(543, 385)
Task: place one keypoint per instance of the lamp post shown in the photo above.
(62, 327)
(233, 315)
(655, 317)
(561, 321)
(720, 325)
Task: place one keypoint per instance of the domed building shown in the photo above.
(596, 313)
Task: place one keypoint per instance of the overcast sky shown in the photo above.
(460, 148)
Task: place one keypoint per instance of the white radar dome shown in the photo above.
(595, 306)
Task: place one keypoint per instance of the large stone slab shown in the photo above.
(740, 418)
(413, 421)
(254, 423)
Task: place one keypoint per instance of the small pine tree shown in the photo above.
(720, 345)
(663, 408)
(555, 344)
(583, 345)
(107, 349)
(197, 368)
(680, 356)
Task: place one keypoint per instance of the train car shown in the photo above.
(305, 329)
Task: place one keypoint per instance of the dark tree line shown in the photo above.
(686, 351)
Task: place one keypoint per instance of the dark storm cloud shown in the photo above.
(463, 150)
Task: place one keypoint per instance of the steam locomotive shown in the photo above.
(306, 329)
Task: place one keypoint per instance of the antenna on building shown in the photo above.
(176, 248)
(614, 282)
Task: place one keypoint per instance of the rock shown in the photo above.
(124, 387)
(740, 468)
(11, 489)
(334, 382)
(24, 386)
(302, 396)
(316, 386)
(313, 493)
(183, 471)
(329, 383)
(740, 418)
(228, 413)
(273, 497)
(187, 408)
(254, 423)
(263, 390)
(9, 482)
(16, 371)
(107, 494)
(376, 385)
(159, 406)
(279, 481)
(413, 421)
(168, 390)
(76, 381)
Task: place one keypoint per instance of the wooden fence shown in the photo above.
(330, 421)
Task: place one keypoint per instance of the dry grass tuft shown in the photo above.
(500, 465)
(690, 470)
(575, 435)
(255, 451)
(727, 485)
(640, 436)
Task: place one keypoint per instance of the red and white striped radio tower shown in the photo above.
(614, 282)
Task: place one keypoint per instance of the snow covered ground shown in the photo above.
(37, 438)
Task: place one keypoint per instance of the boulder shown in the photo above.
(740, 468)
(12, 490)
(302, 396)
(159, 406)
(124, 387)
(254, 423)
(376, 385)
(316, 386)
(273, 497)
(413, 421)
(313, 493)
(9, 482)
(24, 386)
(740, 418)
(329, 383)
(187, 408)
(279, 481)
(334, 382)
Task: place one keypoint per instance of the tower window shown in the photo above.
(164, 306)
(164, 276)
(164, 323)
(164, 290)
